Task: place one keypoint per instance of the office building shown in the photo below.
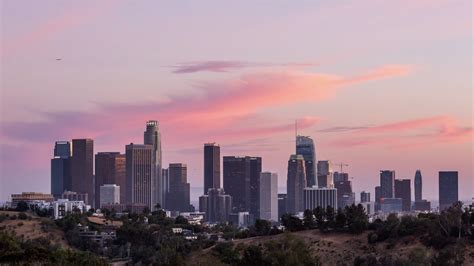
(61, 168)
(368, 207)
(212, 166)
(345, 196)
(62, 149)
(320, 197)
(418, 186)
(269, 196)
(30, 198)
(325, 174)
(340, 177)
(152, 137)
(82, 168)
(364, 196)
(305, 148)
(378, 196)
(216, 204)
(109, 194)
(63, 206)
(242, 181)
(387, 184)
(178, 195)
(281, 204)
(422, 205)
(448, 189)
(139, 169)
(403, 191)
(75, 196)
(391, 205)
(109, 169)
(241, 219)
(166, 184)
(295, 184)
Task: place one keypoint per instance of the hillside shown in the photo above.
(339, 248)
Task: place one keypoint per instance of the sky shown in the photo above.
(377, 84)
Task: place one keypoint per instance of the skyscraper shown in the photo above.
(364, 196)
(403, 191)
(305, 147)
(345, 196)
(387, 184)
(216, 204)
(378, 197)
(269, 196)
(242, 181)
(61, 168)
(82, 168)
(212, 166)
(448, 188)
(325, 174)
(295, 184)
(139, 174)
(418, 186)
(109, 169)
(178, 195)
(152, 136)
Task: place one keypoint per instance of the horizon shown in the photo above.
(393, 92)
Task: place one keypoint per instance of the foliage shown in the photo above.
(291, 222)
(22, 206)
(22, 216)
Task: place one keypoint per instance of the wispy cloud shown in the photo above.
(225, 66)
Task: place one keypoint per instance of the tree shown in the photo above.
(22, 206)
(291, 222)
(330, 217)
(341, 219)
(357, 219)
(319, 214)
(180, 220)
(253, 255)
(308, 219)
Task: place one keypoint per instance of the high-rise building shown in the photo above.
(269, 196)
(282, 204)
(418, 186)
(212, 166)
(448, 188)
(82, 168)
(320, 197)
(139, 169)
(295, 184)
(166, 184)
(152, 137)
(364, 196)
(178, 195)
(109, 194)
(403, 191)
(216, 204)
(345, 196)
(242, 181)
(391, 205)
(61, 168)
(305, 147)
(378, 197)
(340, 176)
(109, 169)
(325, 174)
(387, 184)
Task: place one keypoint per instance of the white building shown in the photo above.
(109, 194)
(320, 197)
(269, 196)
(62, 206)
(369, 207)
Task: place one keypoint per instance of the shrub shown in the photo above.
(372, 238)
(22, 216)
(20, 224)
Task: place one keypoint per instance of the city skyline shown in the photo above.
(402, 101)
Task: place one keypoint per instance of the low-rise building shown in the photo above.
(30, 198)
(63, 206)
(390, 205)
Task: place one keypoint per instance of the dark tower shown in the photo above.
(82, 168)
(212, 166)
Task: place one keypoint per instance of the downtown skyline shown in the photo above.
(376, 104)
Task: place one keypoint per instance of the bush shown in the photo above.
(22, 216)
(20, 224)
(372, 238)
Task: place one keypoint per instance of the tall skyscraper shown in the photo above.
(387, 184)
(364, 196)
(269, 196)
(325, 174)
(166, 183)
(282, 204)
(82, 168)
(61, 168)
(178, 195)
(212, 166)
(152, 137)
(216, 204)
(448, 188)
(295, 184)
(139, 168)
(378, 197)
(418, 186)
(242, 182)
(305, 147)
(109, 169)
(320, 197)
(345, 196)
(403, 191)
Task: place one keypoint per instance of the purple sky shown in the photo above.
(377, 84)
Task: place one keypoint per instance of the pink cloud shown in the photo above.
(225, 66)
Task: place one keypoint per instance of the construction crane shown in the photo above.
(341, 165)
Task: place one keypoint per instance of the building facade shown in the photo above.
(403, 191)
(152, 137)
(320, 197)
(109, 169)
(418, 186)
(109, 194)
(391, 205)
(269, 196)
(345, 196)
(325, 174)
(82, 168)
(387, 184)
(305, 147)
(61, 168)
(216, 204)
(295, 184)
(212, 166)
(448, 188)
(139, 168)
(179, 189)
(364, 196)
